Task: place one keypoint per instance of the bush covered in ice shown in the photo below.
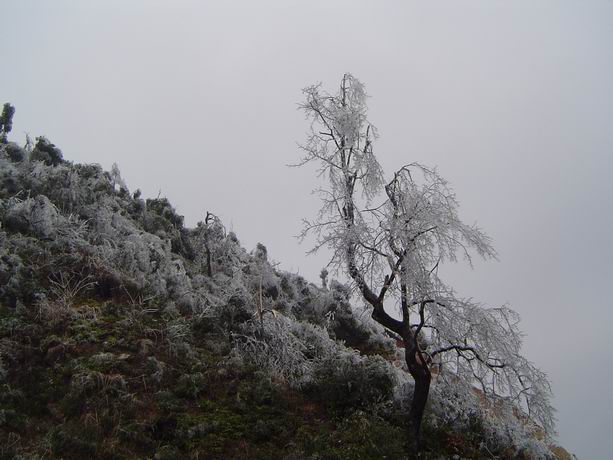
(69, 232)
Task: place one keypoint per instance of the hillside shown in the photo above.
(124, 334)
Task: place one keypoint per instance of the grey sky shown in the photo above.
(513, 101)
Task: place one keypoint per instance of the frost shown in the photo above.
(37, 216)
(70, 229)
(389, 238)
(116, 180)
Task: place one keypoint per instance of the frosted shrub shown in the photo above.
(504, 427)
(261, 253)
(178, 284)
(533, 448)
(12, 272)
(177, 333)
(274, 348)
(261, 279)
(46, 152)
(498, 420)
(288, 348)
(306, 357)
(317, 343)
(154, 370)
(14, 152)
(9, 182)
(332, 309)
(137, 257)
(287, 287)
(237, 305)
(347, 380)
(116, 180)
(314, 306)
(205, 240)
(37, 216)
(108, 222)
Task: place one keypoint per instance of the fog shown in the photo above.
(512, 101)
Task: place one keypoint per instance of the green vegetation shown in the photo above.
(100, 387)
(124, 334)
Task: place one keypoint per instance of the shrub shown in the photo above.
(190, 385)
(359, 436)
(72, 443)
(46, 152)
(6, 121)
(348, 381)
(15, 153)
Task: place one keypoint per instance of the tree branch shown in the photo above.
(461, 348)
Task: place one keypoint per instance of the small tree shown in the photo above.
(206, 234)
(324, 278)
(392, 250)
(6, 122)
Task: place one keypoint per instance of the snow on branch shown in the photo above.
(391, 236)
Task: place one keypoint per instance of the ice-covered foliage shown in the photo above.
(279, 347)
(6, 121)
(470, 342)
(80, 222)
(307, 357)
(390, 238)
(341, 142)
(46, 152)
(70, 232)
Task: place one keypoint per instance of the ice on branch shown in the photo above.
(390, 238)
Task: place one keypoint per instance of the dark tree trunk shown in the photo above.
(209, 269)
(421, 374)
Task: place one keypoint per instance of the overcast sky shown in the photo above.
(513, 101)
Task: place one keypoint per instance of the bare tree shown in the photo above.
(392, 249)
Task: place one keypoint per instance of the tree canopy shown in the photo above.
(390, 237)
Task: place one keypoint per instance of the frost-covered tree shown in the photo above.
(390, 238)
(6, 121)
(206, 234)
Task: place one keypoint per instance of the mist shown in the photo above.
(512, 101)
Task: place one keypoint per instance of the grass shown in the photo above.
(109, 385)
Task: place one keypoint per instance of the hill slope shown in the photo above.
(124, 334)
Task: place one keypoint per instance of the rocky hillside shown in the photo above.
(124, 334)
